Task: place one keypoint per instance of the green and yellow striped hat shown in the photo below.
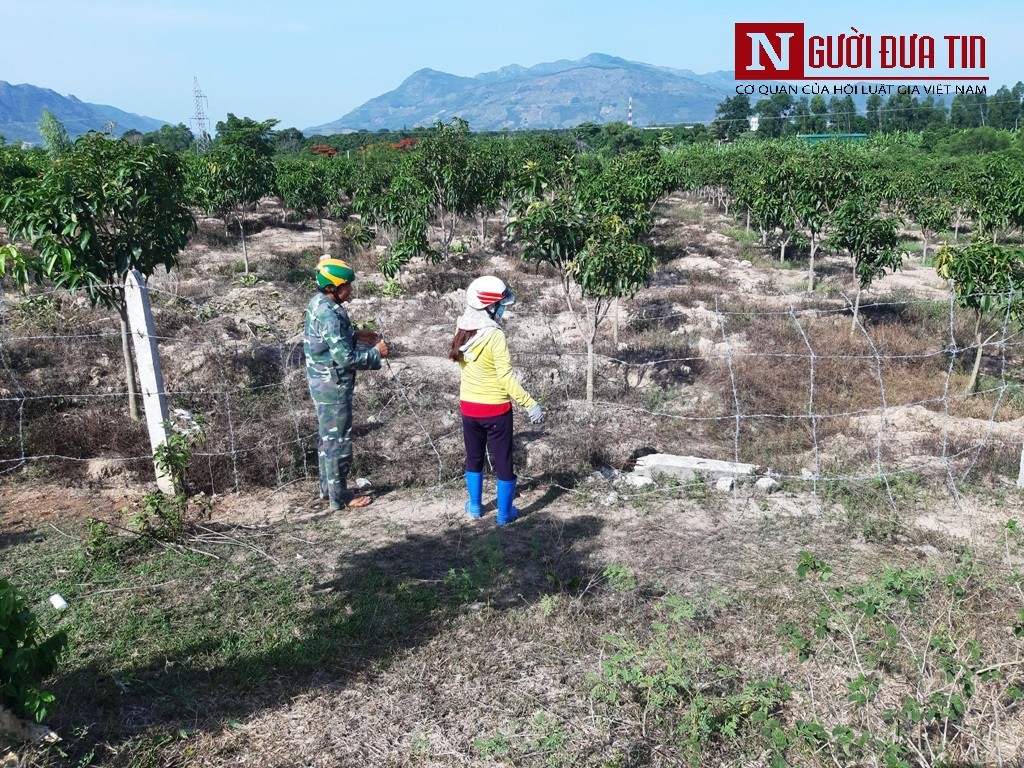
(333, 272)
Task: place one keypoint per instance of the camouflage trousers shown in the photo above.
(335, 449)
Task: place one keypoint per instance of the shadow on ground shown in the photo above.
(377, 603)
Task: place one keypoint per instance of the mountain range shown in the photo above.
(557, 94)
(21, 107)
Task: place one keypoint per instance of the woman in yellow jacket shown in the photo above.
(487, 391)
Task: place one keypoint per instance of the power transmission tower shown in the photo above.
(629, 113)
(200, 122)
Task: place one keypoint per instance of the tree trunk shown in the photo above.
(856, 311)
(245, 249)
(320, 222)
(590, 373)
(748, 218)
(129, 363)
(810, 266)
(483, 227)
(447, 234)
(615, 324)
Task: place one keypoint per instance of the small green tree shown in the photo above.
(871, 240)
(393, 202)
(490, 173)
(242, 169)
(996, 198)
(732, 117)
(988, 279)
(55, 135)
(197, 177)
(820, 179)
(102, 208)
(18, 164)
(591, 228)
(305, 188)
(928, 202)
(170, 138)
(444, 166)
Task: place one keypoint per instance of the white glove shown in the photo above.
(536, 414)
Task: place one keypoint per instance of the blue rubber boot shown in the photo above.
(506, 493)
(475, 488)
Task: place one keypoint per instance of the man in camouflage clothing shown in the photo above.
(331, 364)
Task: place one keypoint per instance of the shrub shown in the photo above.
(25, 661)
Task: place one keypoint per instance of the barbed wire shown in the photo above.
(241, 436)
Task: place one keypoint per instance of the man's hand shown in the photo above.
(381, 347)
(536, 414)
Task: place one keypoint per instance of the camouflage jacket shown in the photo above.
(331, 355)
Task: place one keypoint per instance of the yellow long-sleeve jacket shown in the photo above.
(487, 378)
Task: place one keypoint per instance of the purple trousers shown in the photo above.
(494, 434)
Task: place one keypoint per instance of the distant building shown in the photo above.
(814, 138)
(753, 120)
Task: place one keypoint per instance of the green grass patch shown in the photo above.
(191, 639)
(874, 506)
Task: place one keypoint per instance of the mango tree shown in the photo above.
(765, 187)
(960, 175)
(544, 150)
(871, 240)
(242, 169)
(490, 176)
(197, 177)
(305, 188)
(443, 166)
(997, 195)
(591, 228)
(393, 202)
(102, 208)
(987, 279)
(744, 158)
(821, 178)
(928, 201)
(17, 163)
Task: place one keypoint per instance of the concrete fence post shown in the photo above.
(151, 378)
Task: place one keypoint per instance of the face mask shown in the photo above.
(503, 306)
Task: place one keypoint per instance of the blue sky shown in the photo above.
(307, 62)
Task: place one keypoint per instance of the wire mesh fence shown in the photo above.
(801, 391)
